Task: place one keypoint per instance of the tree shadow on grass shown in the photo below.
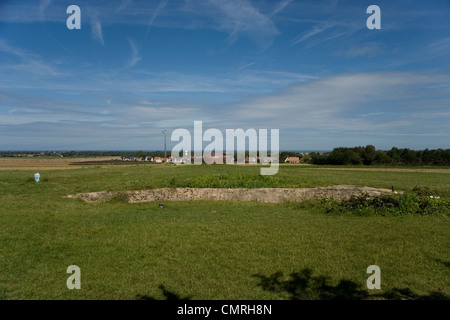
(168, 295)
(445, 263)
(304, 286)
(407, 294)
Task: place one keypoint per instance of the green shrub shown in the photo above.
(417, 202)
(424, 191)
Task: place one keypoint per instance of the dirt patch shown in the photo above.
(37, 163)
(109, 162)
(269, 195)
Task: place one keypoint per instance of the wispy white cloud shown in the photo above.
(437, 49)
(96, 24)
(363, 50)
(97, 32)
(135, 56)
(29, 63)
(280, 6)
(160, 6)
(348, 101)
(314, 31)
(123, 5)
(330, 37)
(241, 18)
(42, 7)
(238, 18)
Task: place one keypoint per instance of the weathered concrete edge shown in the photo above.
(268, 195)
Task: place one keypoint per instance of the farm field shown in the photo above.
(47, 163)
(214, 250)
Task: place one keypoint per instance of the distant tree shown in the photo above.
(337, 156)
(381, 157)
(306, 159)
(139, 154)
(409, 157)
(446, 157)
(354, 158)
(394, 154)
(427, 157)
(345, 156)
(317, 158)
(368, 154)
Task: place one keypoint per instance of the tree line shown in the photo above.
(369, 156)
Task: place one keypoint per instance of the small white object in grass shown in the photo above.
(37, 177)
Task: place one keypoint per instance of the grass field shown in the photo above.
(214, 250)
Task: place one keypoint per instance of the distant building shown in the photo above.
(292, 159)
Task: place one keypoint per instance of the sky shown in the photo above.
(311, 69)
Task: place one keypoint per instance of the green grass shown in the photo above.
(213, 250)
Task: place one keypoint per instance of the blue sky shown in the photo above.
(311, 69)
